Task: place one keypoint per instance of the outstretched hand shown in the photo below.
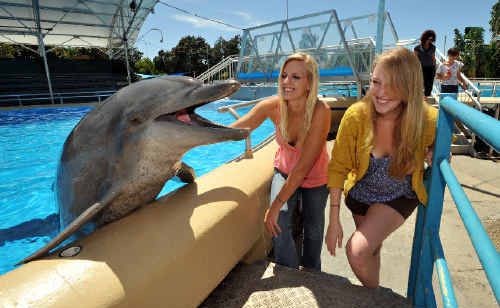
(334, 236)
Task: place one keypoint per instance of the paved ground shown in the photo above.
(266, 285)
(481, 182)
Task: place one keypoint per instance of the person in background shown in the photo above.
(450, 73)
(426, 53)
(302, 124)
(378, 161)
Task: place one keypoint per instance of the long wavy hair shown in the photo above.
(312, 97)
(404, 76)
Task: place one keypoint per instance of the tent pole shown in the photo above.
(379, 45)
(41, 46)
(125, 45)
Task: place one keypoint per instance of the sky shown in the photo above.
(410, 18)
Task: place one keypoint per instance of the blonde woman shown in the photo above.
(378, 160)
(302, 123)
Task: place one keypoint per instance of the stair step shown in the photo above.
(461, 139)
(462, 149)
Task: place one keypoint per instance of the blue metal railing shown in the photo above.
(427, 251)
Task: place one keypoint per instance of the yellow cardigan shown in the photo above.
(350, 155)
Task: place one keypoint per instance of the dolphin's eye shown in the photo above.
(135, 121)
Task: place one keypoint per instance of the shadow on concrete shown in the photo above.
(265, 284)
(481, 190)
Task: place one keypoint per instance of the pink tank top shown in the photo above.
(287, 157)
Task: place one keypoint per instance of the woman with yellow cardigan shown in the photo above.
(378, 160)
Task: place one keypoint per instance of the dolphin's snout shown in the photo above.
(212, 92)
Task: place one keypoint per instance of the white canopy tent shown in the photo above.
(111, 25)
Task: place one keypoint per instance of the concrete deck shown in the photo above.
(481, 182)
(267, 285)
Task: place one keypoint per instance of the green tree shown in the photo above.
(145, 66)
(472, 50)
(494, 57)
(18, 52)
(495, 19)
(459, 40)
(480, 59)
(77, 53)
(160, 61)
(223, 49)
(190, 56)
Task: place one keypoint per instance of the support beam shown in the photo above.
(41, 46)
(393, 29)
(379, 47)
(346, 46)
(125, 46)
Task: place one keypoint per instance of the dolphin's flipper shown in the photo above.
(84, 217)
(186, 173)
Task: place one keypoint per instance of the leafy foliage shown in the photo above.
(480, 59)
(495, 19)
(193, 55)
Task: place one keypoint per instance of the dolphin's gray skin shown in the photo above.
(120, 154)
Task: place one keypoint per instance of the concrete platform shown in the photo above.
(481, 182)
(266, 285)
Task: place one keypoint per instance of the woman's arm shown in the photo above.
(334, 233)
(341, 163)
(258, 114)
(312, 147)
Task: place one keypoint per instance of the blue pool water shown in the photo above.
(487, 90)
(31, 141)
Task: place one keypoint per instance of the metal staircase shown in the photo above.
(465, 138)
(225, 69)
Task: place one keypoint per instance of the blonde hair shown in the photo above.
(312, 97)
(404, 76)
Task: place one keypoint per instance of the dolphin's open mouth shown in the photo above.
(182, 113)
(190, 118)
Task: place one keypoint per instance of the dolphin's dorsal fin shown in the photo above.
(84, 217)
(186, 173)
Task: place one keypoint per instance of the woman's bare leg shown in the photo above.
(363, 248)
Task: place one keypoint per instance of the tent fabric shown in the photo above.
(73, 23)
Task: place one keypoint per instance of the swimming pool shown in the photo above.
(487, 90)
(31, 142)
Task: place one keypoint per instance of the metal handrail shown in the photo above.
(494, 82)
(232, 110)
(221, 65)
(426, 237)
(20, 98)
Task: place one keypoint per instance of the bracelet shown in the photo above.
(280, 200)
(334, 204)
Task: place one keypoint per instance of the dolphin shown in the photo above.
(119, 156)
